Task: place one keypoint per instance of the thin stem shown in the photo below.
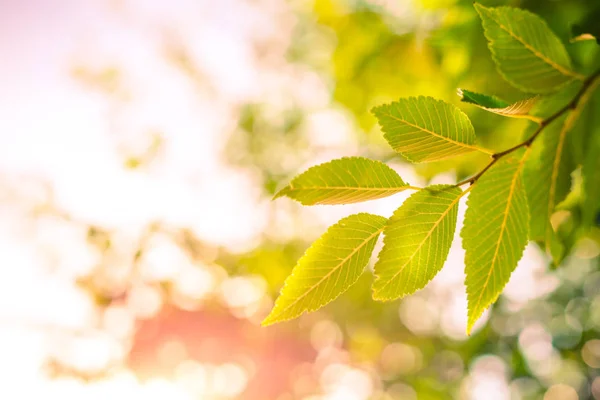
(572, 105)
(533, 118)
(484, 150)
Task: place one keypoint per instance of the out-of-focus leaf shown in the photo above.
(551, 103)
(329, 267)
(343, 181)
(590, 170)
(588, 28)
(547, 176)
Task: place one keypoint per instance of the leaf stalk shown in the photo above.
(572, 105)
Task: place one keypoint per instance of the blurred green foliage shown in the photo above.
(370, 53)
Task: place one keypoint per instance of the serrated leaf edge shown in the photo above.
(290, 187)
(561, 69)
(442, 216)
(271, 319)
(516, 178)
(378, 109)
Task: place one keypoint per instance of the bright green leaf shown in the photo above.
(417, 241)
(494, 234)
(527, 53)
(329, 267)
(425, 129)
(343, 181)
(519, 109)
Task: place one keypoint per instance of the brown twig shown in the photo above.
(572, 105)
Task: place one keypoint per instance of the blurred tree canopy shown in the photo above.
(321, 69)
(375, 52)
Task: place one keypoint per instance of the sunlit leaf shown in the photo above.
(425, 129)
(417, 241)
(494, 234)
(527, 53)
(329, 267)
(343, 181)
(519, 109)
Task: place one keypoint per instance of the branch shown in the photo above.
(572, 105)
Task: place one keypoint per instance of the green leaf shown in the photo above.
(568, 227)
(425, 129)
(482, 100)
(590, 170)
(417, 241)
(519, 109)
(549, 104)
(494, 234)
(588, 28)
(329, 267)
(527, 53)
(548, 171)
(547, 177)
(343, 181)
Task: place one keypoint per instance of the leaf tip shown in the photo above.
(268, 321)
(273, 317)
(471, 322)
(283, 192)
(474, 315)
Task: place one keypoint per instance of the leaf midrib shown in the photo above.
(429, 233)
(558, 67)
(502, 227)
(356, 188)
(367, 240)
(461, 144)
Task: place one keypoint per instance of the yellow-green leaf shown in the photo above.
(343, 181)
(547, 177)
(494, 234)
(329, 267)
(590, 170)
(417, 241)
(424, 129)
(527, 53)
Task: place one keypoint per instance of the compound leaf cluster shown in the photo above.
(510, 202)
